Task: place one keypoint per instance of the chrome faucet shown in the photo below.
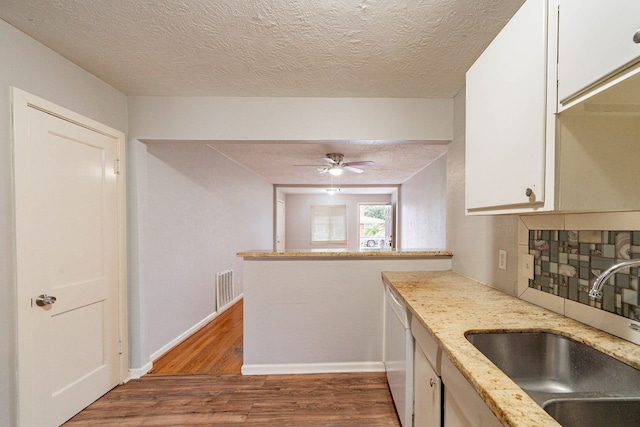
(596, 290)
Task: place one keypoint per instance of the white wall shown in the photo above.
(313, 119)
(28, 65)
(475, 240)
(201, 210)
(298, 217)
(337, 308)
(424, 207)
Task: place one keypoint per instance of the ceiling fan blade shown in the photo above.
(363, 163)
(352, 169)
(322, 170)
(316, 166)
(330, 161)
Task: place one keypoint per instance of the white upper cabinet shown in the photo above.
(595, 46)
(506, 122)
(526, 151)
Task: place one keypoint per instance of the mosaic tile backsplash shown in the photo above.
(568, 262)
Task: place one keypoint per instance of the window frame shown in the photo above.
(330, 212)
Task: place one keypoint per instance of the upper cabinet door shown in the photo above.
(596, 41)
(506, 95)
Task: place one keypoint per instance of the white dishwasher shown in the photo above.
(398, 355)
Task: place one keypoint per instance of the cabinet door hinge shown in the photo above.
(120, 347)
(116, 167)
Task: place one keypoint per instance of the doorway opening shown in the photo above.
(375, 225)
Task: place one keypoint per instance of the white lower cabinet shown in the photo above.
(462, 405)
(442, 396)
(427, 392)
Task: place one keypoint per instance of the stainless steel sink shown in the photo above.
(595, 412)
(555, 364)
(562, 375)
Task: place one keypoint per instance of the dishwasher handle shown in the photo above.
(395, 298)
(398, 307)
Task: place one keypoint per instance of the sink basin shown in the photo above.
(551, 364)
(576, 384)
(595, 412)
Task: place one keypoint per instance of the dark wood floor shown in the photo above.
(178, 393)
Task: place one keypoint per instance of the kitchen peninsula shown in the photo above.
(319, 311)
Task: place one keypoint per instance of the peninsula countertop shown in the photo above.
(347, 254)
(450, 305)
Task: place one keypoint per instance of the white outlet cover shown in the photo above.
(502, 259)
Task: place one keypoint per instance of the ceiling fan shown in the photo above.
(336, 165)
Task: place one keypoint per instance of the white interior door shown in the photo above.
(67, 241)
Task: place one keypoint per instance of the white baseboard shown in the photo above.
(312, 368)
(136, 373)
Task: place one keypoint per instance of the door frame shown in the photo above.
(386, 222)
(280, 226)
(21, 101)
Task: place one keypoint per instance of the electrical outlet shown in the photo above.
(527, 266)
(502, 259)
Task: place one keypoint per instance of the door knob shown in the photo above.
(44, 300)
(636, 37)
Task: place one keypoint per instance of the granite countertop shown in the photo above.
(450, 305)
(342, 253)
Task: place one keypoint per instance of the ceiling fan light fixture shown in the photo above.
(336, 170)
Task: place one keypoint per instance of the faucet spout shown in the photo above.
(596, 290)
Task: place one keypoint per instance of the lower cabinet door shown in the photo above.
(462, 405)
(427, 392)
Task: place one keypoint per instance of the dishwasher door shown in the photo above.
(398, 356)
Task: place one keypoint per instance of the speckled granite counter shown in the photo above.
(449, 306)
(340, 253)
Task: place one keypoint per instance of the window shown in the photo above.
(374, 220)
(329, 224)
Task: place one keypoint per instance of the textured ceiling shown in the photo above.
(328, 48)
(276, 48)
(396, 161)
